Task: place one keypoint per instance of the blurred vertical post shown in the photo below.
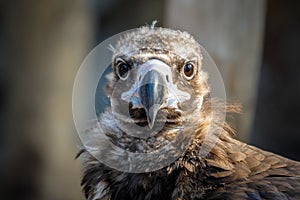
(45, 42)
(232, 33)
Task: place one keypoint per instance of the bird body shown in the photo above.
(148, 62)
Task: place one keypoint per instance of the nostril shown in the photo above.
(167, 78)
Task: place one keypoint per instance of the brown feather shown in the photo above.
(231, 170)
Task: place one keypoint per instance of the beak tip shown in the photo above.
(150, 123)
(151, 115)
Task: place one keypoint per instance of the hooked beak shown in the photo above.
(153, 93)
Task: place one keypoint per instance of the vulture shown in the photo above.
(159, 94)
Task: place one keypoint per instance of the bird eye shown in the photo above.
(188, 70)
(122, 69)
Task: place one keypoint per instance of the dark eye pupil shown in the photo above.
(123, 69)
(188, 70)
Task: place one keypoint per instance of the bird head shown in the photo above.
(157, 79)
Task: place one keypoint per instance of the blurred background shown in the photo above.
(255, 44)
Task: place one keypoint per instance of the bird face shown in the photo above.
(157, 80)
(153, 90)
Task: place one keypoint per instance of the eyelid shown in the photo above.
(119, 60)
(193, 62)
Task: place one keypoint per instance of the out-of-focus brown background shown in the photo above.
(255, 44)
